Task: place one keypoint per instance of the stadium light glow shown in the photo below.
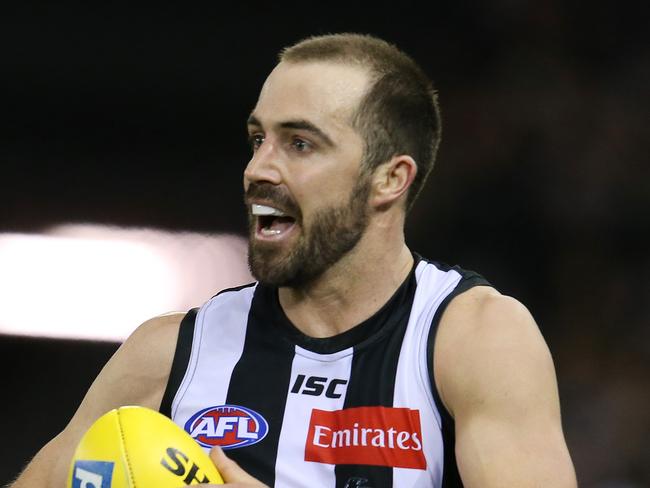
(97, 282)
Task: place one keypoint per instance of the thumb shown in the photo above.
(230, 470)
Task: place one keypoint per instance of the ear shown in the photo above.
(391, 181)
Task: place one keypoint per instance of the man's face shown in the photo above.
(306, 198)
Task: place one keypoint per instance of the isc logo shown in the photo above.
(92, 474)
(316, 385)
(227, 426)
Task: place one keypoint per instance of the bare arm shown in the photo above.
(136, 375)
(496, 376)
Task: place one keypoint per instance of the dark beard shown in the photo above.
(334, 232)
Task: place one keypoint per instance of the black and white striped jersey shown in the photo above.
(359, 409)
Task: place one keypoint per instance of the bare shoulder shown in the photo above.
(496, 377)
(136, 374)
(153, 343)
(487, 341)
(484, 312)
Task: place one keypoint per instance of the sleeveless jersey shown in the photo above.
(359, 409)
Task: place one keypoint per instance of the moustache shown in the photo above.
(274, 196)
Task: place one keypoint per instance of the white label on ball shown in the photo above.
(88, 479)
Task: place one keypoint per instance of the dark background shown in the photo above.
(136, 116)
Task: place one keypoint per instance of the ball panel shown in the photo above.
(136, 446)
(160, 453)
(99, 458)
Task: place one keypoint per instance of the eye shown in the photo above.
(255, 141)
(300, 145)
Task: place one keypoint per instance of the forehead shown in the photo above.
(322, 92)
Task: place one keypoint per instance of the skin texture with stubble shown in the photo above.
(307, 163)
(332, 233)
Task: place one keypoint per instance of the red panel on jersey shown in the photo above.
(378, 436)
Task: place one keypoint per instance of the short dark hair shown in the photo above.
(399, 114)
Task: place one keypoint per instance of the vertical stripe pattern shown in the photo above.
(327, 392)
(413, 374)
(220, 327)
(180, 361)
(372, 383)
(359, 410)
(259, 382)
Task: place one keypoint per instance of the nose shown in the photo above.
(263, 166)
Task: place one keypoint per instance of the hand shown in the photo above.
(232, 474)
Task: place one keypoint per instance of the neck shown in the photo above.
(351, 290)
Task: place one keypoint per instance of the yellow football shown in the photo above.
(137, 447)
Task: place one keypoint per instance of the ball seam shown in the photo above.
(124, 450)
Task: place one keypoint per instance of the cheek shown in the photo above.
(331, 191)
(324, 182)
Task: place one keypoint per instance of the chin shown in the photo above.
(269, 265)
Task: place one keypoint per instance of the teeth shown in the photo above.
(270, 232)
(265, 210)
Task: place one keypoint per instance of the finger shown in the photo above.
(230, 470)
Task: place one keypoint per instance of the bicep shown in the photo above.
(503, 394)
(513, 448)
(135, 375)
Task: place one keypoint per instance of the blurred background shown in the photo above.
(123, 144)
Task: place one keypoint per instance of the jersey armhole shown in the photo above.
(450, 475)
(180, 361)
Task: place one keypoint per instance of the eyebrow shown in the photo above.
(299, 124)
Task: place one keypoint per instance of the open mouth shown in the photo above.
(272, 223)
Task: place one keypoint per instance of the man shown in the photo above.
(353, 362)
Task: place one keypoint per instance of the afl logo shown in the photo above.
(227, 426)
